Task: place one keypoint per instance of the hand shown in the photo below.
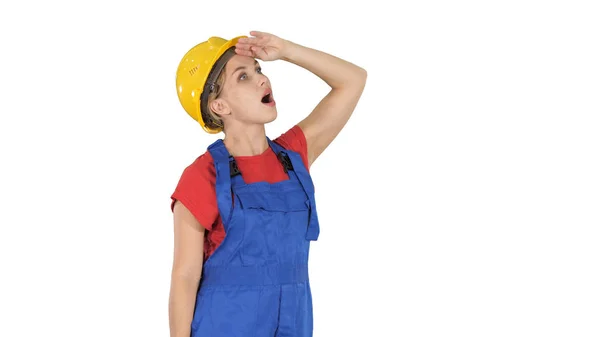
(263, 46)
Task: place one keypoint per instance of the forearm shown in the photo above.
(337, 73)
(182, 300)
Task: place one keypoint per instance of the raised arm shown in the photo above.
(347, 82)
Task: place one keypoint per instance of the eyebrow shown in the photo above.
(243, 67)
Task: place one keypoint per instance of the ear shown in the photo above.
(220, 107)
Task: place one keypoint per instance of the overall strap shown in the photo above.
(223, 167)
(282, 155)
(293, 162)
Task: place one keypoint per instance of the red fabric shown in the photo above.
(196, 187)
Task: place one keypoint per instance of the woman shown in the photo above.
(244, 211)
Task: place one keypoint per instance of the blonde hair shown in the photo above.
(213, 120)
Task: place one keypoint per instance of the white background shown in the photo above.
(462, 198)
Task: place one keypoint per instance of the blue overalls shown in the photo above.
(256, 284)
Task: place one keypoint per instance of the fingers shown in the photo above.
(244, 52)
(256, 38)
(259, 52)
(254, 52)
(249, 41)
(259, 34)
(243, 46)
(244, 49)
(253, 46)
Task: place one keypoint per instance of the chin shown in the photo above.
(272, 115)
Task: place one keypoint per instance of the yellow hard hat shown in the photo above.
(192, 80)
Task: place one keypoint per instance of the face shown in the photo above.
(246, 96)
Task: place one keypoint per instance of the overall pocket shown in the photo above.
(275, 227)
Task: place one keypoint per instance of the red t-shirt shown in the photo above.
(196, 187)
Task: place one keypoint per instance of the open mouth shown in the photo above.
(268, 98)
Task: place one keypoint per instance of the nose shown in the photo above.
(262, 80)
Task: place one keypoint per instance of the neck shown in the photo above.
(247, 141)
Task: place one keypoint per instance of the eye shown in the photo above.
(259, 70)
(242, 76)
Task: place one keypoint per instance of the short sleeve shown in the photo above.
(294, 140)
(196, 191)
